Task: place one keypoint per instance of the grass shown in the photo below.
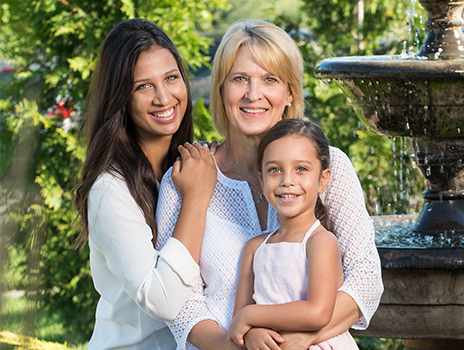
(21, 316)
(17, 311)
(365, 343)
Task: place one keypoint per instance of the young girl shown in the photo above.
(289, 278)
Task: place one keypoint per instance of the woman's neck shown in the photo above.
(156, 151)
(237, 158)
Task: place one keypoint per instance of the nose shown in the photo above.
(287, 179)
(254, 92)
(161, 96)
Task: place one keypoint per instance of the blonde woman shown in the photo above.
(257, 81)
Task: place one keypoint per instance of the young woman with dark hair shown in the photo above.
(138, 117)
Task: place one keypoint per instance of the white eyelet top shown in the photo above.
(232, 220)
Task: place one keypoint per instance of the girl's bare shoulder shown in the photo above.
(322, 238)
(254, 243)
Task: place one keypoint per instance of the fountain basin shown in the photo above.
(400, 97)
(423, 99)
(418, 98)
(423, 276)
(423, 297)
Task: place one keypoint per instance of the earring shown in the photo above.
(289, 104)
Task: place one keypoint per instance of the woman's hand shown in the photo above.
(213, 145)
(195, 177)
(297, 340)
(195, 173)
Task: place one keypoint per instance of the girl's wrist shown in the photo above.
(248, 313)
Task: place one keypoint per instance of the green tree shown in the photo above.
(53, 45)
(352, 27)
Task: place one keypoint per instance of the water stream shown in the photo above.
(395, 231)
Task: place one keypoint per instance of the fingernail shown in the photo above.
(211, 153)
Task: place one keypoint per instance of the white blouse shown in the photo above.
(232, 220)
(140, 287)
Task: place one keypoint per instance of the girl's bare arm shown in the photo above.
(324, 263)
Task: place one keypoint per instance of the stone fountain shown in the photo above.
(421, 98)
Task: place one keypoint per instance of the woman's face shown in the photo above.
(254, 99)
(159, 96)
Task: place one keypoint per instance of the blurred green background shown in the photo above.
(48, 50)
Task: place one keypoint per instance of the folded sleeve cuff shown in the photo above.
(177, 256)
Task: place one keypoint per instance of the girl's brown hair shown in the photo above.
(316, 136)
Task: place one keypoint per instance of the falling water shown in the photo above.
(395, 231)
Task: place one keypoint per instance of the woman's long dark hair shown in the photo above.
(112, 143)
(314, 134)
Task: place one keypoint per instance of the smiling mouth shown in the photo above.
(254, 110)
(165, 114)
(288, 196)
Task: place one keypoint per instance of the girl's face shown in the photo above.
(254, 99)
(291, 177)
(159, 96)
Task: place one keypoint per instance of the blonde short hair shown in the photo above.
(274, 50)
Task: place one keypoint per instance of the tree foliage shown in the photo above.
(54, 45)
(391, 184)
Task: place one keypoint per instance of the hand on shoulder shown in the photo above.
(195, 173)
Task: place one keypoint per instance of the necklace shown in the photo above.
(261, 197)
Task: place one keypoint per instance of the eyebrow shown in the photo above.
(174, 70)
(238, 73)
(296, 161)
(267, 74)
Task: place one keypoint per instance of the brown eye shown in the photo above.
(142, 87)
(172, 77)
(274, 170)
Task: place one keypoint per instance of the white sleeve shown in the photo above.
(353, 226)
(158, 282)
(195, 309)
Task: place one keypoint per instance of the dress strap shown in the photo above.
(310, 231)
(268, 236)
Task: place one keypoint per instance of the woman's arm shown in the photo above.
(351, 223)
(324, 263)
(194, 311)
(208, 335)
(122, 250)
(194, 177)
